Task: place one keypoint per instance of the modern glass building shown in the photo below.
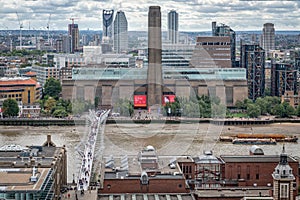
(120, 33)
(107, 16)
(173, 33)
(228, 74)
(177, 55)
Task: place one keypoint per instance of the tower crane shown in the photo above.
(73, 18)
(21, 26)
(48, 27)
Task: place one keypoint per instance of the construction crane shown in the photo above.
(73, 18)
(48, 27)
(21, 26)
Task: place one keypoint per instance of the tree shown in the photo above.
(263, 104)
(52, 88)
(289, 110)
(243, 104)
(78, 107)
(60, 113)
(298, 111)
(10, 108)
(253, 110)
(125, 107)
(50, 103)
(283, 110)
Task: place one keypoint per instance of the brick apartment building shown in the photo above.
(148, 174)
(234, 177)
(237, 176)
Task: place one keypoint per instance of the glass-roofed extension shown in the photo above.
(168, 73)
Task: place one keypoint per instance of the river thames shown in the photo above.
(168, 139)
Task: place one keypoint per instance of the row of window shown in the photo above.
(11, 95)
(213, 43)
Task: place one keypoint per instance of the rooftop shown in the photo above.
(234, 192)
(253, 158)
(18, 179)
(16, 81)
(42, 156)
(134, 169)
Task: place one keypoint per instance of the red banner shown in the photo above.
(140, 101)
(168, 99)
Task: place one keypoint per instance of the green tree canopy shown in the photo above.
(298, 111)
(125, 107)
(253, 110)
(10, 108)
(60, 113)
(52, 88)
(283, 110)
(50, 103)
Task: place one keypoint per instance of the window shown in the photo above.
(248, 172)
(239, 172)
(257, 172)
(284, 192)
(28, 97)
(257, 176)
(230, 172)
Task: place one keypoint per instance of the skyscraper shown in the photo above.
(268, 37)
(120, 32)
(154, 82)
(108, 16)
(253, 60)
(224, 30)
(73, 32)
(173, 27)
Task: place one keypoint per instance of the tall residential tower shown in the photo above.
(120, 33)
(268, 37)
(173, 34)
(73, 33)
(253, 60)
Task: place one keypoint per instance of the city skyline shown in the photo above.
(194, 15)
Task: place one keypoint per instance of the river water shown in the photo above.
(129, 139)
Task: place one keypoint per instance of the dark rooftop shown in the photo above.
(253, 158)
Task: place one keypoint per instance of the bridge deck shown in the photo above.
(96, 123)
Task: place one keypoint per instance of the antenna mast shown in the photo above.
(21, 26)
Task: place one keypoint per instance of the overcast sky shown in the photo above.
(194, 15)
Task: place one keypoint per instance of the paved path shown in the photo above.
(88, 195)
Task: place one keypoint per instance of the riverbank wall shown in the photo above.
(73, 122)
